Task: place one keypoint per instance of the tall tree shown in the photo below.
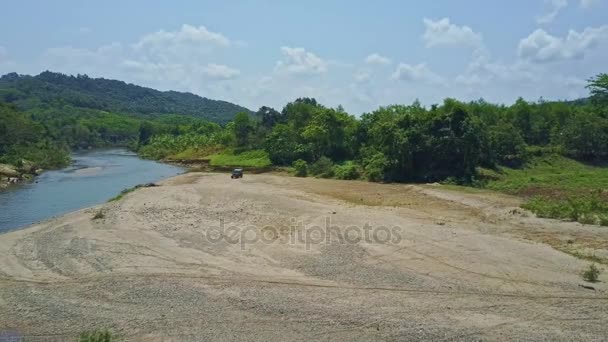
(242, 128)
(598, 86)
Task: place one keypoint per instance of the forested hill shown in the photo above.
(51, 89)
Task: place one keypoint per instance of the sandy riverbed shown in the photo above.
(443, 265)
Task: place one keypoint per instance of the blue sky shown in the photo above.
(360, 54)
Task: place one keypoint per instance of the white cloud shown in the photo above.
(188, 34)
(555, 7)
(589, 3)
(180, 60)
(375, 58)
(416, 73)
(219, 71)
(540, 46)
(300, 61)
(442, 33)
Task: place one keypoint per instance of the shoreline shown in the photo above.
(82, 172)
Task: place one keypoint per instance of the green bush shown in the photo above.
(348, 170)
(375, 167)
(96, 336)
(323, 167)
(301, 168)
(591, 274)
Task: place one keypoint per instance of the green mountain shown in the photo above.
(53, 90)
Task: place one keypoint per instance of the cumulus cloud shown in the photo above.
(188, 34)
(442, 33)
(299, 61)
(375, 58)
(416, 73)
(179, 60)
(555, 6)
(541, 46)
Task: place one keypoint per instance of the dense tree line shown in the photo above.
(415, 143)
(24, 140)
(53, 90)
(394, 143)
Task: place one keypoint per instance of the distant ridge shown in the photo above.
(51, 88)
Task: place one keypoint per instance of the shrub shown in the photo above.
(375, 166)
(99, 215)
(301, 168)
(323, 167)
(96, 336)
(591, 274)
(347, 170)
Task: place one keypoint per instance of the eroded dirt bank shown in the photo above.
(438, 265)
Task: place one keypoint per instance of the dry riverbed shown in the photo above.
(303, 259)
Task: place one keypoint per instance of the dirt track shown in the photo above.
(457, 266)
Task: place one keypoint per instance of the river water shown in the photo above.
(92, 178)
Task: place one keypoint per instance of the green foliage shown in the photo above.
(374, 166)
(58, 90)
(269, 117)
(323, 167)
(282, 145)
(253, 158)
(598, 87)
(558, 187)
(591, 274)
(300, 167)
(421, 145)
(242, 129)
(21, 138)
(507, 144)
(585, 136)
(96, 336)
(167, 145)
(348, 170)
(450, 142)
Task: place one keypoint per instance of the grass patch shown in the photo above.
(196, 153)
(96, 336)
(253, 158)
(123, 194)
(558, 187)
(588, 257)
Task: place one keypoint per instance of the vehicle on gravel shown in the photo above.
(237, 173)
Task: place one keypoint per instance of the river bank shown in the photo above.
(151, 266)
(93, 177)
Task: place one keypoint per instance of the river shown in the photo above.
(92, 178)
